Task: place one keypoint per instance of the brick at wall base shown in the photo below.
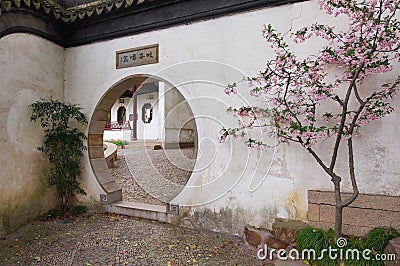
(364, 214)
(361, 217)
(346, 229)
(313, 212)
(364, 201)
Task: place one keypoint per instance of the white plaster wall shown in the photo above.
(129, 110)
(128, 106)
(200, 59)
(110, 135)
(124, 134)
(178, 123)
(31, 68)
(113, 111)
(150, 131)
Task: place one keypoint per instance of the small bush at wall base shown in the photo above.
(318, 239)
(378, 238)
(51, 215)
(65, 215)
(63, 144)
(78, 210)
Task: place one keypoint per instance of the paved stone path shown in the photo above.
(104, 239)
(152, 176)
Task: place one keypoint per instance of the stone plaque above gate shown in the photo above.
(138, 56)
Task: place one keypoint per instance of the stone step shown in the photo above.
(143, 145)
(142, 210)
(287, 230)
(138, 141)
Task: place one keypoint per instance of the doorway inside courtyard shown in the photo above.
(154, 129)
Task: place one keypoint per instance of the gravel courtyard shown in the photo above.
(152, 176)
(106, 239)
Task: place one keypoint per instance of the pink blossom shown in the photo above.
(301, 86)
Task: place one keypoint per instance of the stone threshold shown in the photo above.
(140, 210)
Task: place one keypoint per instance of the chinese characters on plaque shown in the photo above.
(137, 56)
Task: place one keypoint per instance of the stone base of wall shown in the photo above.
(393, 248)
(364, 214)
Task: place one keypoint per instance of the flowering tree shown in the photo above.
(309, 104)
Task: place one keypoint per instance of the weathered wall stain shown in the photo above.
(225, 220)
(31, 68)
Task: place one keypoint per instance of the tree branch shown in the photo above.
(336, 98)
(286, 103)
(320, 162)
(389, 51)
(343, 120)
(358, 95)
(359, 110)
(352, 174)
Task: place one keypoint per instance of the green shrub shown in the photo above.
(358, 261)
(53, 214)
(63, 144)
(78, 210)
(318, 239)
(378, 238)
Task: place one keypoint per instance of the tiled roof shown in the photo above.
(68, 12)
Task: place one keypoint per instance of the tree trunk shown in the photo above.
(338, 206)
(338, 220)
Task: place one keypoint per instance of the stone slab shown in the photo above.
(111, 186)
(104, 177)
(100, 114)
(96, 152)
(111, 197)
(97, 126)
(147, 211)
(393, 249)
(287, 230)
(362, 217)
(346, 229)
(95, 140)
(377, 202)
(99, 164)
(140, 206)
(313, 212)
(108, 102)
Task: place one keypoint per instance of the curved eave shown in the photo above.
(143, 16)
(27, 21)
(70, 14)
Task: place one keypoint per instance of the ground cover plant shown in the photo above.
(318, 239)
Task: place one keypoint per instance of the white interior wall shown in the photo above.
(199, 59)
(178, 123)
(129, 110)
(150, 131)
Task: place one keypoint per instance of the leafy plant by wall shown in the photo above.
(63, 144)
(321, 241)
